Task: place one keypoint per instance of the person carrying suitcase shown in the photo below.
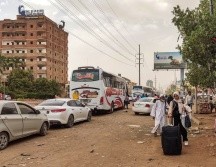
(174, 115)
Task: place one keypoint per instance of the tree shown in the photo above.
(198, 30)
(43, 88)
(20, 82)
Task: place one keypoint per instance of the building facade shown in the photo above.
(39, 42)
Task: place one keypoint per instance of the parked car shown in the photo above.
(143, 105)
(64, 111)
(7, 97)
(18, 119)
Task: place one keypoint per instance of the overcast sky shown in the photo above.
(122, 27)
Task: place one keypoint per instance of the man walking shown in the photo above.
(158, 113)
(176, 110)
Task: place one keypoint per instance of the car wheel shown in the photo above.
(70, 122)
(89, 116)
(44, 129)
(4, 139)
(136, 113)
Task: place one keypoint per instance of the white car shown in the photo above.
(64, 111)
(18, 119)
(143, 105)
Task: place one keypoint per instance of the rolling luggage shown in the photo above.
(171, 140)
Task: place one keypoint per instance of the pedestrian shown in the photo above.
(126, 102)
(176, 110)
(158, 113)
(189, 99)
(169, 99)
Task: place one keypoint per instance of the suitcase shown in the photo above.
(171, 140)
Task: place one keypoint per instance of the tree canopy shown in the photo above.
(197, 28)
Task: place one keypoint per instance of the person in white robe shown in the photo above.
(158, 113)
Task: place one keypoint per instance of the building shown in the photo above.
(149, 83)
(39, 42)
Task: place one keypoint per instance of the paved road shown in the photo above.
(109, 141)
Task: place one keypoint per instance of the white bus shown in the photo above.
(137, 91)
(149, 91)
(100, 90)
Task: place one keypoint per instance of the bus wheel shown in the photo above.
(112, 108)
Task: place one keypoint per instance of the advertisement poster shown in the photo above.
(168, 60)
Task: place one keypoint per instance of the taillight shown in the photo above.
(101, 100)
(147, 105)
(58, 110)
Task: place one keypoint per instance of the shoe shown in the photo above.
(186, 143)
(155, 134)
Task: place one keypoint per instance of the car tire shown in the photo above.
(4, 140)
(136, 113)
(70, 122)
(89, 116)
(44, 129)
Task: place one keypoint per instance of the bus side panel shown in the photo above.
(114, 95)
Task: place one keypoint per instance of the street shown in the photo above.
(117, 139)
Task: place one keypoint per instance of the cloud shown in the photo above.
(147, 22)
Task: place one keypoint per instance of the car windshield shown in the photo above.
(144, 100)
(52, 103)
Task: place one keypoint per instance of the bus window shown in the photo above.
(85, 75)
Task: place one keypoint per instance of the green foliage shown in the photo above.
(171, 89)
(13, 62)
(198, 28)
(21, 84)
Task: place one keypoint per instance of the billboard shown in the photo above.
(168, 60)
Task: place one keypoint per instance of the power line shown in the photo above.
(86, 27)
(119, 21)
(112, 37)
(101, 10)
(84, 40)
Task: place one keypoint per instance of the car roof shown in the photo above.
(62, 99)
(2, 102)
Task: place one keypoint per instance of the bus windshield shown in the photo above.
(137, 87)
(85, 75)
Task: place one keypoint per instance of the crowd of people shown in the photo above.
(173, 110)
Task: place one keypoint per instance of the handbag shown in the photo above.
(187, 121)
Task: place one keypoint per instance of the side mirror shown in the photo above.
(37, 112)
(83, 104)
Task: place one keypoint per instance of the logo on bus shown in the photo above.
(86, 76)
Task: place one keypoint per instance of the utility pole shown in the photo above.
(139, 65)
(211, 7)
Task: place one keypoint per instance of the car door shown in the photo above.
(83, 110)
(31, 121)
(12, 119)
(75, 110)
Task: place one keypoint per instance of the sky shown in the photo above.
(108, 33)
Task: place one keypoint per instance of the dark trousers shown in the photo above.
(126, 104)
(177, 121)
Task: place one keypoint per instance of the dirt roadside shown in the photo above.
(110, 141)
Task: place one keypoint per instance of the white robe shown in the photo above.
(158, 111)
